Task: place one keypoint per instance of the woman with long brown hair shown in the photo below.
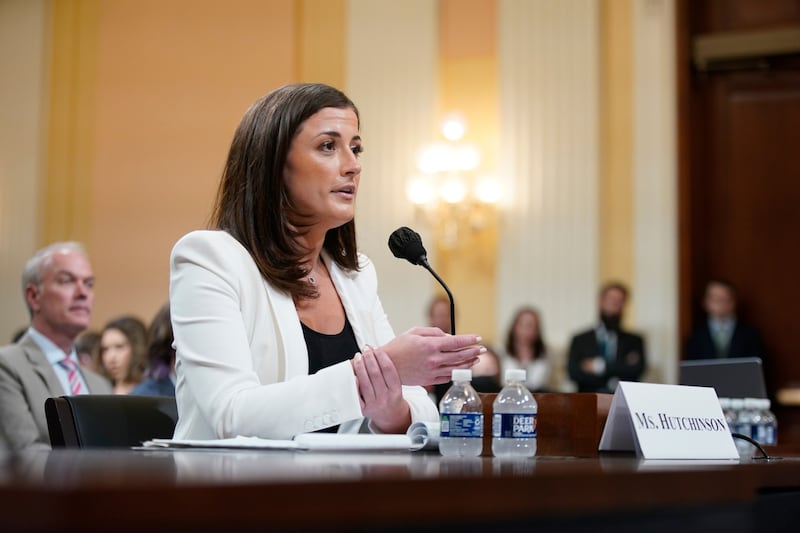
(278, 326)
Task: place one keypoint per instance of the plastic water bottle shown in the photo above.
(758, 429)
(739, 416)
(744, 425)
(514, 418)
(768, 426)
(771, 421)
(461, 419)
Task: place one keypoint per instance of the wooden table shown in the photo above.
(120, 490)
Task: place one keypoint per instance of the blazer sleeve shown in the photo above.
(18, 428)
(581, 347)
(220, 371)
(631, 360)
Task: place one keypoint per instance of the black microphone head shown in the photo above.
(406, 243)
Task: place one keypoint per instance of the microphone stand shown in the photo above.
(424, 262)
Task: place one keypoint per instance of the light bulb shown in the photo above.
(435, 158)
(453, 128)
(419, 190)
(487, 190)
(453, 190)
(467, 157)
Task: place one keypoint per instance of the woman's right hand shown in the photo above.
(427, 355)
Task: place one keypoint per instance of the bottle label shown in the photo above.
(514, 426)
(770, 437)
(469, 425)
(744, 429)
(759, 433)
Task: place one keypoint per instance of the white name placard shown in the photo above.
(667, 422)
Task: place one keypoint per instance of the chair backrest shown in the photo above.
(109, 421)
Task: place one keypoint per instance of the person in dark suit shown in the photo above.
(602, 356)
(723, 334)
(58, 285)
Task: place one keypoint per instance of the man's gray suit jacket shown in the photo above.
(27, 379)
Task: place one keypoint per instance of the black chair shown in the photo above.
(108, 420)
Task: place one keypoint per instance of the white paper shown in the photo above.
(424, 435)
(235, 442)
(420, 435)
(667, 422)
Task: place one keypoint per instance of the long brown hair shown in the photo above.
(537, 345)
(253, 203)
(160, 352)
(135, 332)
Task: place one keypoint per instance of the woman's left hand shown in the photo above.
(380, 391)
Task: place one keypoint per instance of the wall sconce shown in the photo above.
(448, 190)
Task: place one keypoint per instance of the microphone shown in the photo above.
(405, 243)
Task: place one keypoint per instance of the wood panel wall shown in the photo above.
(739, 184)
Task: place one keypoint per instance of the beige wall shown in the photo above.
(616, 141)
(170, 82)
(468, 86)
(24, 29)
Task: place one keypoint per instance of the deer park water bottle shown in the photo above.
(771, 423)
(461, 418)
(767, 432)
(744, 424)
(514, 418)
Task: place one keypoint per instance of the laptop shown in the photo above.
(737, 377)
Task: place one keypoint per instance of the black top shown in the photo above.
(327, 350)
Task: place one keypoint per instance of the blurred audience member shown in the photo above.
(485, 376)
(58, 286)
(86, 346)
(123, 353)
(525, 348)
(161, 377)
(723, 334)
(439, 313)
(602, 356)
(486, 372)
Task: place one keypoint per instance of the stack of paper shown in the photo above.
(420, 435)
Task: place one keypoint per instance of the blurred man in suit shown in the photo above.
(58, 286)
(602, 356)
(723, 334)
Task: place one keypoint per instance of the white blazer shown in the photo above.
(242, 362)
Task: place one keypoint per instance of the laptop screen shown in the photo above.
(737, 377)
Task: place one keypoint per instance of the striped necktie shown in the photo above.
(75, 384)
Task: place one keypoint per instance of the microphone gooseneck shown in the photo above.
(405, 243)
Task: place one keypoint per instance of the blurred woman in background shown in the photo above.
(525, 348)
(161, 372)
(123, 353)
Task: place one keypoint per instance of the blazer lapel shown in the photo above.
(41, 366)
(290, 332)
(340, 280)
